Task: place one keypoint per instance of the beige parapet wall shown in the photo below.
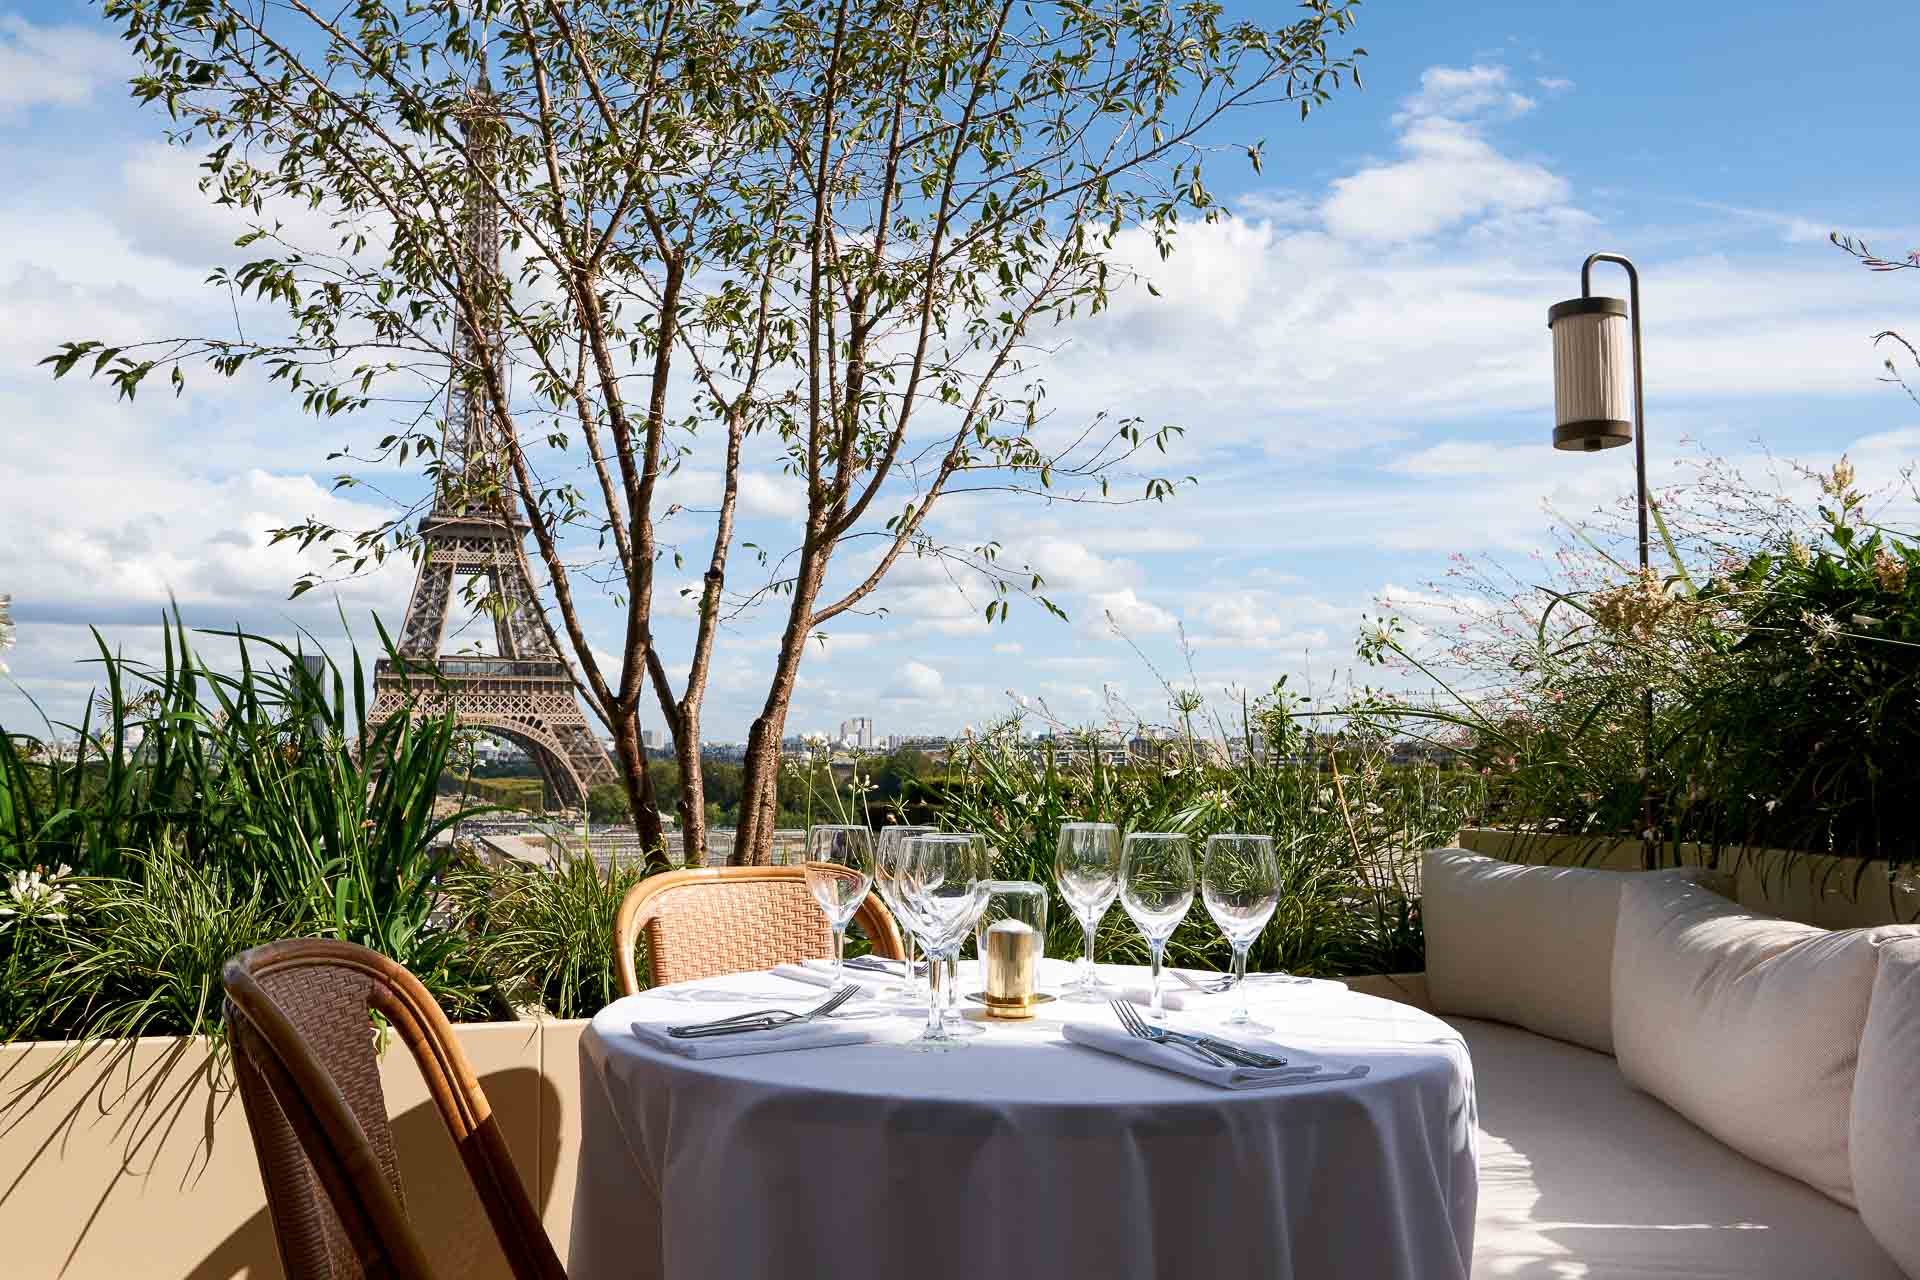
(1834, 893)
(133, 1161)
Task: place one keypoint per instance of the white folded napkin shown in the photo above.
(1175, 994)
(1301, 1068)
(820, 1034)
(819, 973)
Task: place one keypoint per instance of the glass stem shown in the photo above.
(953, 981)
(1239, 982)
(1090, 924)
(839, 953)
(1156, 949)
(936, 992)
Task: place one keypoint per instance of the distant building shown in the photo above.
(857, 733)
(650, 738)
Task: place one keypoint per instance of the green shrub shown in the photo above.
(1348, 829)
(1782, 652)
(546, 934)
(204, 810)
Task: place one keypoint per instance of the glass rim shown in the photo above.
(1158, 835)
(838, 826)
(1089, 826)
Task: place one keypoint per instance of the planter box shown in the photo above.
(1817, 888)
(131, 1160)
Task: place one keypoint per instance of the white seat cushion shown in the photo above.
(1747, 1024)
(1884, 1140)
(1528, 945)
(1580, 1175)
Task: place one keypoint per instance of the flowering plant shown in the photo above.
(32, 895)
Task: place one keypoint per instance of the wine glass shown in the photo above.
(942, 884)
(983, 857)
(888, 864)
(1156, 888)
(1240, 883)
(839, 871)
(1086, 867)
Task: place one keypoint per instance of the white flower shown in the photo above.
(1823, 626)
(32, 896)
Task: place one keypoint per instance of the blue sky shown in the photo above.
(1359, 357)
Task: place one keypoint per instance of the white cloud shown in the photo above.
(1127, 611)
(762, 494)
(1068, 565)
(58, 66)
(916, 682)
(827, 646)
(1263, 620)
(1449, 173)
(1464, 92)
(1289, 208)
(1554, 84)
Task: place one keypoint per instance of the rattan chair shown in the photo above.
(707, 921)
(298, 1018)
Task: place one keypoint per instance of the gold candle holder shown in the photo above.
(1012, 965)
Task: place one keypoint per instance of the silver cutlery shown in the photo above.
(1251, 1057)
(880, 964)
(762, 1020)
(1211, 1046)
(1137, 1026)
(1211, 987)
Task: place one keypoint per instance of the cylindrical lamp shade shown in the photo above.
(1592, 374)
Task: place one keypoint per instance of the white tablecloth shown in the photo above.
(1021, 1155)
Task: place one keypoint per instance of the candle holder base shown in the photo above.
(1013, 1008)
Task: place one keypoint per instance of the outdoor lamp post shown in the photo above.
(1596, 344)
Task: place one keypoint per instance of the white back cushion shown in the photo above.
(1528, 945)
(1747, 1024)
(1883, 1141)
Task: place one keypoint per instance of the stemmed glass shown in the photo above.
(1240, 883)
(1086, 867)
(888, 864)
(983, 859)
(943, 885)
(1156, 888)
(839, 871)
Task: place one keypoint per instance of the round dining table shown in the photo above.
(1023, 1153)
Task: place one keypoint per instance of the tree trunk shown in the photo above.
(693, 788)
(760, 786)
(632, 756)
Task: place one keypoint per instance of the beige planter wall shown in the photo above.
(131, 1162)
(1834, 893)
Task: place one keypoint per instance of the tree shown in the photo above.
(826, 235)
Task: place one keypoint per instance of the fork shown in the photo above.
(1236, 1054)
(762, 1020)
(1136, 1026)
(1211, 987)
(880, 964)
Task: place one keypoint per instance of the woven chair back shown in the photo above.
(706, 922)
(300, 1018)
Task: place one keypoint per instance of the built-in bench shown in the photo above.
(1760, 1119)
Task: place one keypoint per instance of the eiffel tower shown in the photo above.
(524, 692)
